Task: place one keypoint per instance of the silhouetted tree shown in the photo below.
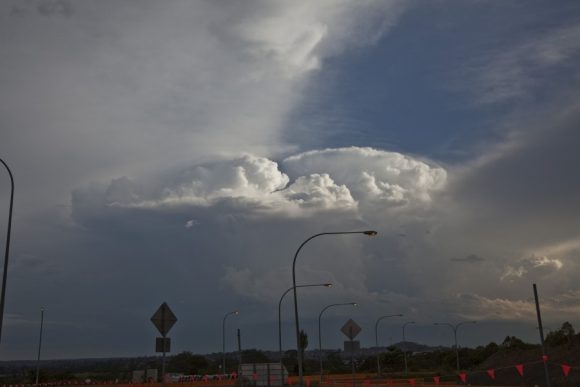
(562, 336)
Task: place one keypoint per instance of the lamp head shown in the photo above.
(328, 285)
(354, 304)
(236, 312)
(370, 232)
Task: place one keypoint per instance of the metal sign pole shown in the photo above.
(163, 364)
(352, 355)
(163, 358)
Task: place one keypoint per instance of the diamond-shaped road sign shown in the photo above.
(164, 319)
(350, 329)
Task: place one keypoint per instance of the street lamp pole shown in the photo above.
(405, 344)
(39, 345)
(377, 339)
(7, 250)
(320, 331)
(236, 312)
(455, 328)
(299, 353)
(280, 324)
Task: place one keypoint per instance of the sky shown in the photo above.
(181, 151)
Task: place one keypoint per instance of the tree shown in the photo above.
(568, 331)
(512, 342)
(562, 336)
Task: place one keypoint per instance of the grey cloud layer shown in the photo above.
(132, 88)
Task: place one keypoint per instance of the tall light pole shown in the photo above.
(405, 344)
(377, 339)
(455, 328)
(280, 323)
(299, 353)
(320, 330)
(39, 345)
(236, 312)
(7, 251)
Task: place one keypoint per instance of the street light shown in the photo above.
(405, 344)
(377, 339)
(280, 323)
(39, 345)
(320, 331)
(455, 328)
(7, 251)
(236, 312)
(299, 357)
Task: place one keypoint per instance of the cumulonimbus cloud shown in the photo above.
(330, 179)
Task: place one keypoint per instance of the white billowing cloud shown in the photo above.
(246, 177)
(372, 175)
(319, 191)
(331, 179)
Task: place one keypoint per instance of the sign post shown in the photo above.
(163, 319)
(351, 329)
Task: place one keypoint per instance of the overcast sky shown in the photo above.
(181, 151)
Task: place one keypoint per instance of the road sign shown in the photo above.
(351, 346)
(162, 344)
(350, 329)
(164, 319)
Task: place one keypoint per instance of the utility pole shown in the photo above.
(544, 355)
(240, 346)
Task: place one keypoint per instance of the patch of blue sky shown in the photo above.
(417, 90)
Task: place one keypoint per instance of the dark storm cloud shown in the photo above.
(524, 193)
